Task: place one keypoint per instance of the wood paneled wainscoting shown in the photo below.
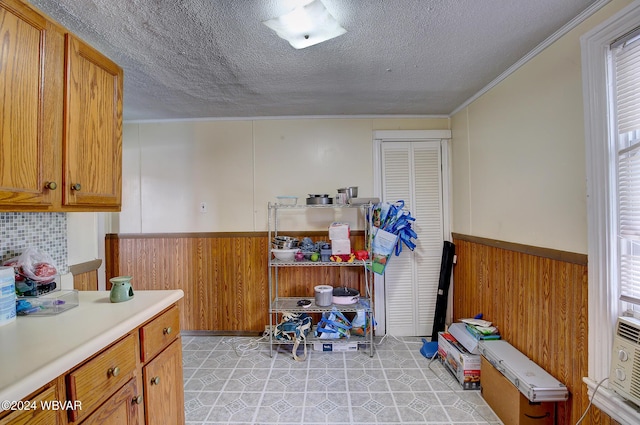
(224, 276)
(537, 297)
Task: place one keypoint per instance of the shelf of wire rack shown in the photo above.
(285, 305)
(279, 305)
(309, 263)
(291, 305)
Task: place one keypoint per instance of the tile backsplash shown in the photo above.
(44, 231)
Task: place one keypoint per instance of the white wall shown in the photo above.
(238, 166)
(84, 243)
(82, 240)
(519, 152)
(170, 168)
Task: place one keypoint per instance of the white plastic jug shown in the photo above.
(7, 296)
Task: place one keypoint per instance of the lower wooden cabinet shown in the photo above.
(162, 403)
(37, 412)
(121, 409)
(94, 382)
(120, 385)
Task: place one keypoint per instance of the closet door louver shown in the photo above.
(412, 172)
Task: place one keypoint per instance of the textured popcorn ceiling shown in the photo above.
(215, 58)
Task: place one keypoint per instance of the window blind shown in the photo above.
(626, 72)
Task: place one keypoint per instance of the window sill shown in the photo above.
(612, 404)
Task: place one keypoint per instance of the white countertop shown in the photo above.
(36, 350)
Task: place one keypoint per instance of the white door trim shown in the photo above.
(411, 135)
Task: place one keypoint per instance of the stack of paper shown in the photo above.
(481, 329)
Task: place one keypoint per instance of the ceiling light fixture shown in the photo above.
(306, 25)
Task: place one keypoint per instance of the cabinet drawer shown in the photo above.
(159, 333)
(35, 415)
(96, 380)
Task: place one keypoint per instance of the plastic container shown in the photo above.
(325, 255)
(31, 288)
(323, 295)
(287, 200)
(7, 296)
(49, 304)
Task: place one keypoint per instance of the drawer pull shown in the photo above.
(137, 400)
(166, 331)
(155, 380)
(76, 186)
(51, 185)
(114, 371)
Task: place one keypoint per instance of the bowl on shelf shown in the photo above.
(345, 296)
(284, 242)
(285, 254)
(319, 199)
(351, 191)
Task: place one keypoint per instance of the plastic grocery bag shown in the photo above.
(35, 265)
(333, 325)
(359, 323)
(382, 247)
(363, 323)
(391, 230)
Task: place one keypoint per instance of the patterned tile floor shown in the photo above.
(231, 380)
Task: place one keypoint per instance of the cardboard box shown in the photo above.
(340, 246)
(462, 335)
(511, 406)
(335, 346)
(464, 365)
(339, 231)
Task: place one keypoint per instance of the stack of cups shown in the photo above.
(7, 296)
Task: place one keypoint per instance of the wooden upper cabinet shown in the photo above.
(31, 94)
(92, 128)
(60, 118)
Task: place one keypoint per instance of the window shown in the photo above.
(609, 141)
(625, 57)
(612, 117)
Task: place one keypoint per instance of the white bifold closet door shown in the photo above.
(412, 172)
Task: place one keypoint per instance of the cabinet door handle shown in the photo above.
(167, 331)
(51, 185)
(137, 400)
(155, 380)
(114, 371)
(76, 186)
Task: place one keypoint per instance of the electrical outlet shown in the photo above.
(203, 207)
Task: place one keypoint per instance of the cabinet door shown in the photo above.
(92, 128)
(36, 415)
(164, 387)
(31, 95)
(120, 409)
(413, 171)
